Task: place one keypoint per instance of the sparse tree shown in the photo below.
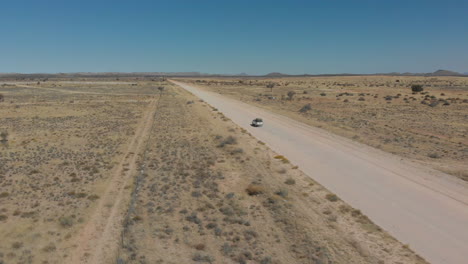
(291, 95)
(271, 86)
(417, 88)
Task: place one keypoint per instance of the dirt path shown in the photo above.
(72, 92)
(419, 206)
(98, 241)
(57, 90)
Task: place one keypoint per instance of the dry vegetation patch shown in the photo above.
(57, 151)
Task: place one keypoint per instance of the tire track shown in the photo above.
(99, 239)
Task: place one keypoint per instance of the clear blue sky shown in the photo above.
(257, 37)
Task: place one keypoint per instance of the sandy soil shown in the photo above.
(97, 172)
(405, 198)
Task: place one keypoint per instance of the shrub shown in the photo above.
(291, 95)
(196, 194)
(305, 108)
(331, 197)
(4, 136)
(433, 156)
(4, 194)
(199, 246)
(356, 212)
(282, 192)
(290, 181)
(323, 94)
(66, 221)
(254, 189)
(2, 98)
(230, 140)
(81, 195)
(249, 234)
(17, 245)
(266, 260)
(202, 258)
(417, 88)
(237, 151)
(282, 171)
(49, 248)
(93, 197)
(193, 218)
(226, 249)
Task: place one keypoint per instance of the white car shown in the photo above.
(257, 122)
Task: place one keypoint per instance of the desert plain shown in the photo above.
(138, 170)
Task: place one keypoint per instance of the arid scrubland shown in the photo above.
(213, 194)
(428, 126)
(176, 181)
(60, 152)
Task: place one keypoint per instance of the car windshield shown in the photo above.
(258, 120)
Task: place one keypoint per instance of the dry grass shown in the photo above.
(63, 143)
(282, 158)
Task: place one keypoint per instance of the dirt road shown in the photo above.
(421, 207)
(99, 239)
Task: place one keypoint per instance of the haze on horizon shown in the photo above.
(292, 37)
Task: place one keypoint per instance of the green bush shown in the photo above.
(331, 197)
(417, 88)
(305, 108)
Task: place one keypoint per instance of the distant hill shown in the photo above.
(276, 74)
(444, 73)
(200, 75)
